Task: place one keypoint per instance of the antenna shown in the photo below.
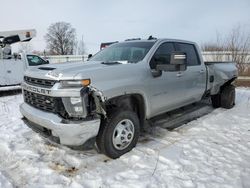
(151, 38)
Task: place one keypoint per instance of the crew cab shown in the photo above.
(113, 96)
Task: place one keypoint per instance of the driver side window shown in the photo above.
(162, 54)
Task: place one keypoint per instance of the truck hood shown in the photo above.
(94, 70)
(64, 71)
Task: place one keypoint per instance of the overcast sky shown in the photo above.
(111, 20)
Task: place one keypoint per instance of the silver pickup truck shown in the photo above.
(112, 96)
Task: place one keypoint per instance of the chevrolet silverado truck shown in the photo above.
(112, 97)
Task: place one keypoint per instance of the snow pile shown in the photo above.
(212, 151)
(4, 182)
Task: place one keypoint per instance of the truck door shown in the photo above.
(195, 75)
(2, 72)
(167, 91)
(14, 70)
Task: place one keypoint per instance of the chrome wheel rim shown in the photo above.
(123, 134)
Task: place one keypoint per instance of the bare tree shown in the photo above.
(215, 48)
(235, 47)
(61, 38)
(238, 43)
(81, 47)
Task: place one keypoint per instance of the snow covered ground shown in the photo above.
(212, 151)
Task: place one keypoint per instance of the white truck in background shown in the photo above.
(13, 65)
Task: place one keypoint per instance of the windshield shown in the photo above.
(131, 52)
(34, 60)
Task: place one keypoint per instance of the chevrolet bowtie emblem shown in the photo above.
(54, 75)
(47, 101)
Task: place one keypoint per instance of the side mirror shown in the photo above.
(178, 58)
(177, 63)
(89, 56)
(156, 73)
(47, 61)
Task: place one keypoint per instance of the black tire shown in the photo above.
(216, 100)
(228, 97)
(108, 131)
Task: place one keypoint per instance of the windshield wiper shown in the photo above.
(115, 62)
(110, 62)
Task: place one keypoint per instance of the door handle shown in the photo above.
(179, 74)
(201, 71)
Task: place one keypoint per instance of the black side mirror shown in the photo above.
(156, 73)
(178, 58)
(157, 59)
(89, 56)
(177, 63)
(47, 61)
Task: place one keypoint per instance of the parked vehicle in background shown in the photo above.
(13, 65)
(106, 44)
(120, 90)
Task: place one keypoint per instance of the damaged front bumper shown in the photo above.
(71, 115)
(70, 133)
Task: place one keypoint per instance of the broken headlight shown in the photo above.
(77, 106)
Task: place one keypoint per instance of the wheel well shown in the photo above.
(134, 102)
(227, 83)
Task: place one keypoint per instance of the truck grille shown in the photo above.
(46, 103)
(40, 101)
(39, 82)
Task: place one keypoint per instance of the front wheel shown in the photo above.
(119, 133)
